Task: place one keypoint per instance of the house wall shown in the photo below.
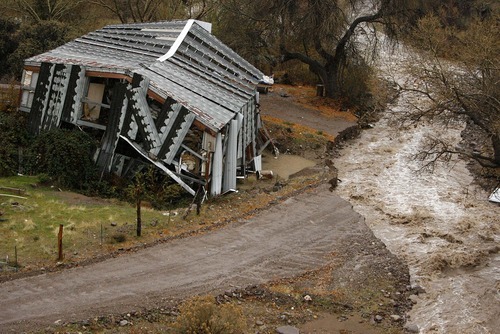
(136, 126)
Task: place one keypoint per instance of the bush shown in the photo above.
(65, 156)
(355, 90)
(12, 137)
(156, 188)
(119, 237)
(200, 315)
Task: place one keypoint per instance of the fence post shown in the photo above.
(15, 253)
(59, 242)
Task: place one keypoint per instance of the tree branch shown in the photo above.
(437, 150)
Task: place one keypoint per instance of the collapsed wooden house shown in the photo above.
(168, 94)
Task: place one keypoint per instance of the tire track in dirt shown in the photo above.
(288, 239)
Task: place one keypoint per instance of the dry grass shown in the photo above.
(283, 128)
(32, 224)
(306, 96)
(94, 227)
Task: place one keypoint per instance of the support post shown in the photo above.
(59, 242)
(15, 254)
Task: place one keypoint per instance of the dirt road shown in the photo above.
(289, 238)
(288, 109)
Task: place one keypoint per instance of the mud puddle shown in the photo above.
(285, 165)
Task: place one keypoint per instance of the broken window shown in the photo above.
(28, 85)
(97, 102)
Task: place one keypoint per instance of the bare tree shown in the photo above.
(151, 10)
(199, 9)
(463, 87)
(131, 10)
(320, 34)
(43, 10)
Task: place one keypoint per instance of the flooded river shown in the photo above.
(440, 224)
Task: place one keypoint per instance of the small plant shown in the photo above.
(201, 315)
(119, 237)
(44, 179)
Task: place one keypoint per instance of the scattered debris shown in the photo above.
(495, 195)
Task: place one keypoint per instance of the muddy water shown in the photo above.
(285, 165)
(441, 224)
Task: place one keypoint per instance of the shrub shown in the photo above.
(65, 156)
(119, 237)
(12, 137)
(200, 315)
(355, 90)
(156, 188)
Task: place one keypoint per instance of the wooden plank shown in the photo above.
(140, 109)
(119, 107)
(169, 134)
(110, 75)
(180, 134)
(59, 87)
(31, 68)
(41, 97)
(71, 93)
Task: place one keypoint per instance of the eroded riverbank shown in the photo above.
(441, 224)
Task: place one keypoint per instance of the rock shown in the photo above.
(413, 298)
(287, 330)
(378, 318)
(307, 298)
(412, 328)
(123, 323)
(418, 289)
(395, 317)
(113, 224)
(259, 323)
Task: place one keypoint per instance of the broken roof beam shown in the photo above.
(159, 165)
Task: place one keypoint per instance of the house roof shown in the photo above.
(181, 58)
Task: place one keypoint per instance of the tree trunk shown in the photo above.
(333, 82)
(139, 222)
(495, 140)
(329, 76)
(332, 89)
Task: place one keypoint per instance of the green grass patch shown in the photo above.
(91, 225)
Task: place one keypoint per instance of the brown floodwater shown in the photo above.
(285, 165)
